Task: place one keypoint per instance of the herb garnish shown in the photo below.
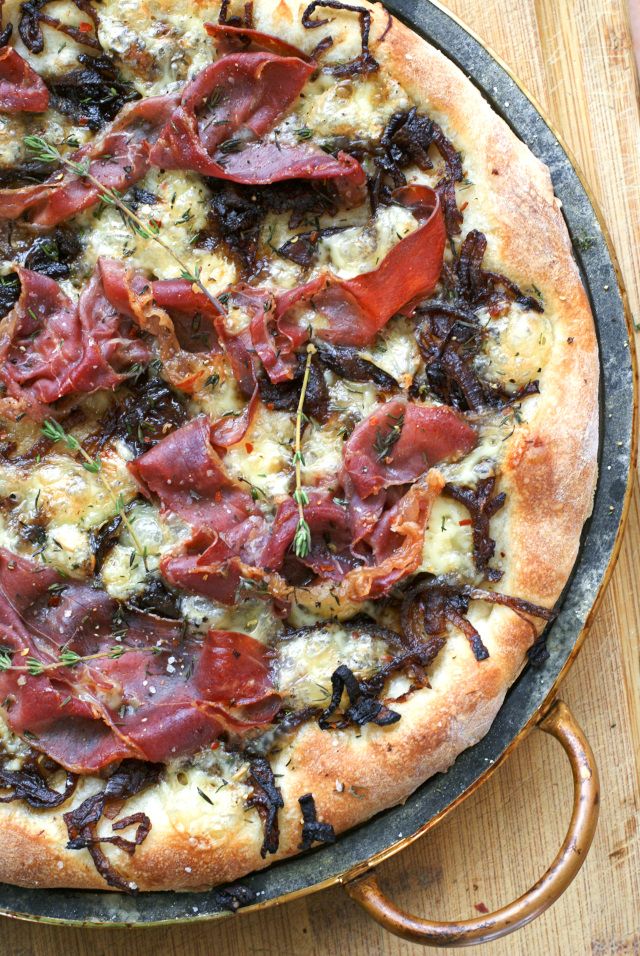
(302, 537)
(385, 442)
(68, 658)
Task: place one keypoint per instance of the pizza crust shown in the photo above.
(549, 474)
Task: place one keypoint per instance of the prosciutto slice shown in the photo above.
(151, 705)
(328, 522)
(188, 476)
(206, 566)
(118, 158)
(354, 310)
(397, 542)
(351, 311)
(21, 89)
(231, 39)
(400, 441)
(51, 347)
(175, 311)
(219, 128)
(389, 547)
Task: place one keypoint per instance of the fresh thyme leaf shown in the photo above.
(301, 497)
(41, 150)
(302, 539)
(34, 666)
(92, 466)
(230, 146)
(69, 658)
(385, 441)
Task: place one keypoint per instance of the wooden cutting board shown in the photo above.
(576, 57)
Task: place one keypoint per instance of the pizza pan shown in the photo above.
(350, 860)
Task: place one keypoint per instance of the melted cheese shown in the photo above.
(358, 107)
(159, 45)
(395, 351)
(180, 213)
(264, 457)
(322, 443)
(362, 248)
(448, 545)
(65, 501)
(517, 346)
(305, 663)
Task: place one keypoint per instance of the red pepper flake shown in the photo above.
(158, 224)
(248, 447)
(85, 27)
(215, 744)
(481, 908)
(463, 206)
(217, 496)
(83, 121)
(465, 522)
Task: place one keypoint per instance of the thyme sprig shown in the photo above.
(45, 152)
(68, 658)
(302, 537)
(385, 442)
(54, 431)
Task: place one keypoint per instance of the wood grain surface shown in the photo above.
(576, 57)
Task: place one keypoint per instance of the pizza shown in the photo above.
(298, 435)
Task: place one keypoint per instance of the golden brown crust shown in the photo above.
(548, 472)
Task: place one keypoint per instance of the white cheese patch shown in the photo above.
(358, 107)
(264, 456)
(140, 547)
(362, 248)
(65, 501)
(179, 214)
(484, 459)
(448, 544)
(249, 617)
(305, 663)
(160, 46)
(218, 394)
(395, 351)
(517, 346)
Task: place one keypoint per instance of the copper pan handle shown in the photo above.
(560, 723)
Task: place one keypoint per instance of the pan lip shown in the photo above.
(445, 31)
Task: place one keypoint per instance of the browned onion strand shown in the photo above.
(407, 140)
(131, 778)
(478, 287)
(93, 94)
(482, 505)
(364, 706)
(347, 362)
(245, 21)
(449, 334)
(431, 603)
(32, 15)
(364, 63)
(519, 605)
(29, 784)
(313, 831)
(266, 797)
